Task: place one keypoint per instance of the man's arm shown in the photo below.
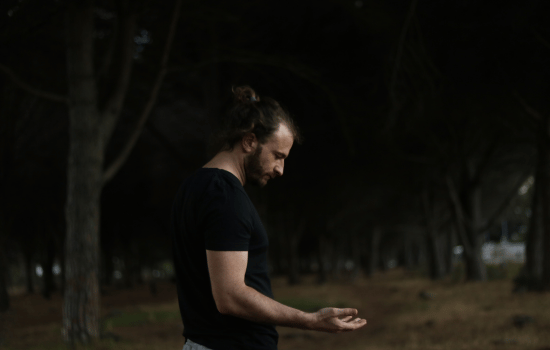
(234, 297)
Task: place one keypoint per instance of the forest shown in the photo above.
(426, 137)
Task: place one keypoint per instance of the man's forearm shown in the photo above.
(254, 306)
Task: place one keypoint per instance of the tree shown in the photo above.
(91, 127)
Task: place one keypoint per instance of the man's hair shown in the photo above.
(250, 114)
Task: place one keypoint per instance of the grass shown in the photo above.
(459, 316)
(141, 318)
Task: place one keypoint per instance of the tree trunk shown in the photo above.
(336, 271)
(321, 253)
(61, 255)
(293, 268)
(4, 297)
(355, 253)
(450, 243)
(29, 272)
(84, 181)
(49, 284)
(128, 269)
(467, 214)
(475, 267)
(6, 161)
(544, 164)
(293, 258)
(533, 244)
(374, 250)
(435, 262)
(408, 260)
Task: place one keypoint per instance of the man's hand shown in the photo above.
(328, 320)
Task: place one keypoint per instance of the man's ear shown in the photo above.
(249, 143)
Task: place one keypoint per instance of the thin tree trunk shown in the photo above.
(321, 253)
(62, 253)
(49, 284)
(533, 244)
(128, 268)
(435, 263)
(544, 164)
(292, 241)
(84, 181)
(4, 297)
(475, 268)
(356, 254)
(293, 268)
(450, 243)
(29, 272)
(469, 209)
(374, 250)
(408, 259)
(336, 272)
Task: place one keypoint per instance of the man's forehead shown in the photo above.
(282, 137)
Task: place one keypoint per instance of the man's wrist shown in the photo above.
(307, 320)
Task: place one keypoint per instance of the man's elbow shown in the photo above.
(225, 304)
(223, 308)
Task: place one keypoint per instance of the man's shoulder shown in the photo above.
(214, 182)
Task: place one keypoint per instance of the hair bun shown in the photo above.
(244, 94)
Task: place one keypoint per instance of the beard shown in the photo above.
(253, 168)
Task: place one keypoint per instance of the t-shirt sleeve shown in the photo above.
(226, 225)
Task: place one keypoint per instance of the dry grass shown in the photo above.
(459, 316)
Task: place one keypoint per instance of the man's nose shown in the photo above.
(279, 168)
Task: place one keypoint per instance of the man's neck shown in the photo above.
(229, 161)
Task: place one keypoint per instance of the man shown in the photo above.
(220, 244)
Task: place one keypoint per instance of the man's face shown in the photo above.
(268, 161)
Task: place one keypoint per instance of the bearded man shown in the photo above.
(220, 245)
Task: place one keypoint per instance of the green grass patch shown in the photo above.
(494, 272)
(163, 316)
(503, 271)
(140, 318)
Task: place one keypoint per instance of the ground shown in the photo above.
(404, 311)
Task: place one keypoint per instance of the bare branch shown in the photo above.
(539, 37)
(300, 70)
(459, 214)
(530, 110)
(119, 161)
(506, 200)
(393, 97)
(482, 164)
(108, 58)
(34, 91)
(174, 152)
(114, 105)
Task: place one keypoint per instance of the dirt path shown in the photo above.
(447, 316)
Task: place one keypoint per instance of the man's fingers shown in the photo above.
(353, 325)
(341, 319)
(346, 312)
(335, 312)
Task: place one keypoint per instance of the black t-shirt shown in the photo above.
(212, 211)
